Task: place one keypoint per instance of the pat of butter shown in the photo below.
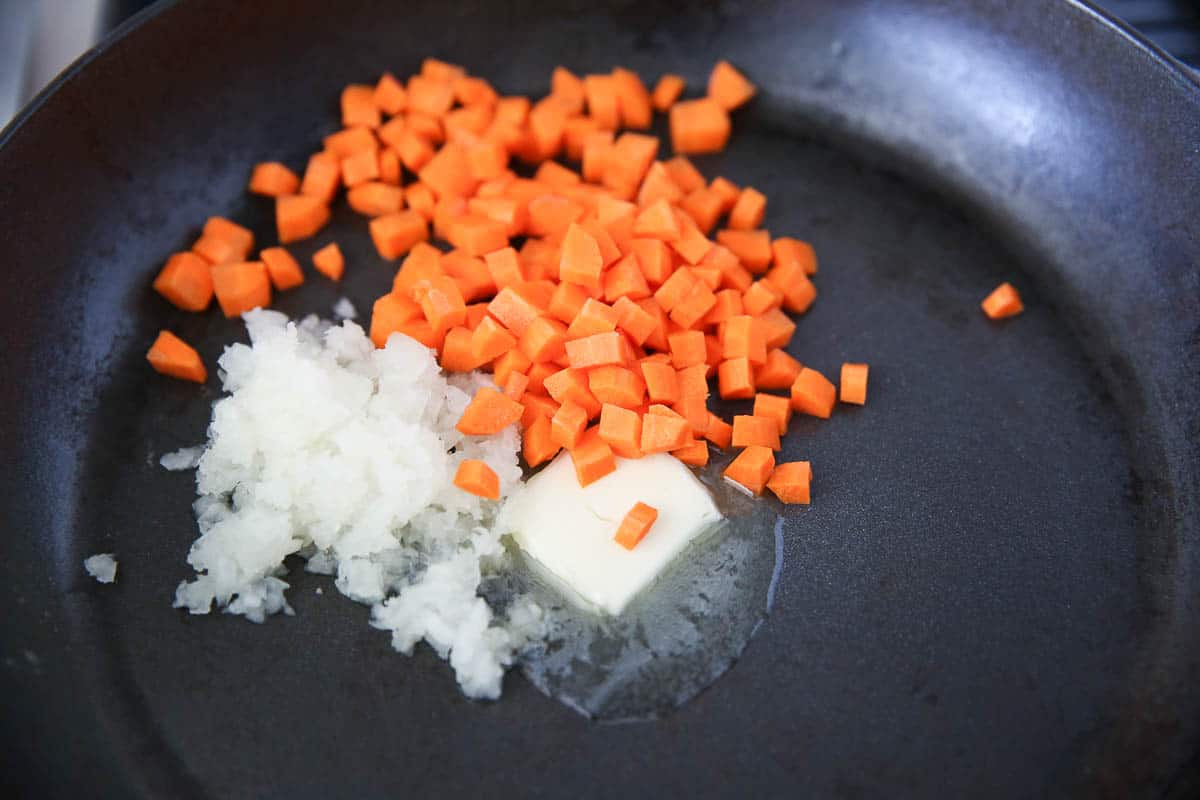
(569, 529)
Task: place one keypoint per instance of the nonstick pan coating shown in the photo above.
(994, 592)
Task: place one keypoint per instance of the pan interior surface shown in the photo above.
(991, 587)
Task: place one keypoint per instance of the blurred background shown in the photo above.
(38, 38)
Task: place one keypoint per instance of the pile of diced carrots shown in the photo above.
(603, 296)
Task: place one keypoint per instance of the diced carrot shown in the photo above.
(633, 101)
(676, 288)
(772, 406)
(508, 363)
(634, 321)
(689, 311)
(547, 122)
(813, 394)
(719, 432)
(761, 297)
(662, 433)
(476, 235)
(684, 174)
(596, 151)
(490, 340)
(729, 304)
(752, 468)
(654, 258)
(789, 252)
(727, 190)
(657, 221)
(536, 405)
(1003, 302)
(470, 273)
(486, 160)
(360, 167)
(567, 301)
(658, 185)
(448, 173)
(735, 378)
(748, 212)
(427, 126)
(515, 385)
(609, 252)
(414, 150)
(216, 250)
(602, 100)
(441, 71)
(474, 91)
(515, 311)
(776, 328)
(693, 381)
(391, 133)
(593, 458)
(710, 275)
(456, 355)
(475, 311)
(543, 340)
(791, 481)
(466, 125)
(359, 108)
(488, 412)
(617, 385)
(390, 95)
(742, 337)
(537, 446)
(657, 339)
(797, 290)
(375, 198)
(239, 238)
(687, 348)
(513, 216)
(853, 383)
(666, 411)
(299, 217)
(428, 96)
(174, 357)
(538, 374)
(330, 262)
(728, 86)
(241, 286)
(595, 350)
(693, 409)
(349, 141)
(667, 91)
(186, 281)
(441, 302)
(636, 523)
(420, 199)
(571, 384)
(555, 175)
(631, 155)
(272, 179)
(552, 215)
(567, 88)
(753, 248)
(593, 317)
(504, 266)
(621, 429)
(779, 371)
(575, 135)
(703, 205)
(477, 478)
(714, 353)
(662, 385)
(396, 234)
(625, 279)
(699, 126)
(581, 261)
(389, 314)
(694, 453)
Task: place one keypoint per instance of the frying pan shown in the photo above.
(994, 592)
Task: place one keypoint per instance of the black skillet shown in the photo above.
(995, 591)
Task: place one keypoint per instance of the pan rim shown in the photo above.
(1158, 56)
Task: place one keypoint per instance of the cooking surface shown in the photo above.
(994, 586)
